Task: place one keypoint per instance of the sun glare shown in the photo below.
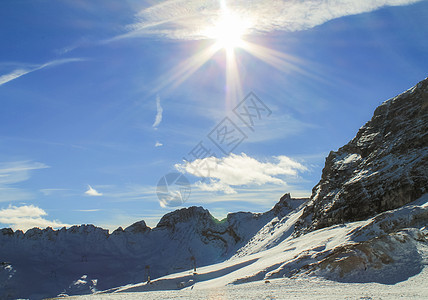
(228, 32)
(228, 29)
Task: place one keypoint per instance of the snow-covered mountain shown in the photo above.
(388, 248)
(51, 262)
(366, 221)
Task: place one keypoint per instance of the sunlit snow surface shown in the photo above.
(302, 288)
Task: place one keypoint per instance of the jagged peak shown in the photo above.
(137, 227)
(283, 204)
(184, 215)
(6, 231)
(86, 228)
(239, 215)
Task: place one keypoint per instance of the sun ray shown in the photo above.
(185, 69)
(279, 60)
(233, 81)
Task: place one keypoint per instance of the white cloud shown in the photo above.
(239, 170)
(26, 217)
(215, 186)
(30, 211)
(158, 144)
(159, 111)
(180, 19)
(21, 71)
(92, 192)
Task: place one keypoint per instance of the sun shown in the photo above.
(228, 31)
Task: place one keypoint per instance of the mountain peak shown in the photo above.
(138, 227)
(183, 215)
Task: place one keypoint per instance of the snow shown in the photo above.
(347, 159)
(285, 288)
(271, 234)
(383, 257)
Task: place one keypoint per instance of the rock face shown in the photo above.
(384, 167)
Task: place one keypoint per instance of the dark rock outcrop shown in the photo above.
(384, 167)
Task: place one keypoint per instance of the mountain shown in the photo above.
(83, 259)
(388, 249)
(366, 221)
(384, 167)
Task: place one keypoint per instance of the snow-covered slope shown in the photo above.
(83, 259)
(275, 231)
(388, 248)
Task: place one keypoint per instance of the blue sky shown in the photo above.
(101, 99)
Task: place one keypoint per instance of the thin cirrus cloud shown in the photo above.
(191, 20)
(159, 112)
(92, 192)
(233, 171)
(15, 172)
(27, 216)
(24, 70)
(50, 192)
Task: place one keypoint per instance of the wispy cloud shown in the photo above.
(92, 192)
(15, 172)
(23, 70)
(159, 112)
(50, 192)
(158, 144)
(10, 194)
(129, 193)
(191, 20)
(26, 217)
(240, 170)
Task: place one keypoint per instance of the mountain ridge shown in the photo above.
(182, 239)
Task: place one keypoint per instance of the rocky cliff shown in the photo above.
(384, 167)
